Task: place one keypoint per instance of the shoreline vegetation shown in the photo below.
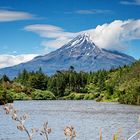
(116, 85)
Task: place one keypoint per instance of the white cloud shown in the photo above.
(56, 35)
(93, 11)
(57, 42)
(10, 60)
(133, 2)
(115, 34)
(48, 31)
(112, 35)
(8, 15)
(42, 27)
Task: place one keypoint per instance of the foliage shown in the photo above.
(42, 95)
(5, 97)
(74, 96)
(90, 96)
(121, 84)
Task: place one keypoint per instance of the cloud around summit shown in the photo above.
(114, 35)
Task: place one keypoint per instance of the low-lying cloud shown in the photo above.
(10, 60)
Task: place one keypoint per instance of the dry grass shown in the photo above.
(20, 120)
(69, 133)
(44, 131)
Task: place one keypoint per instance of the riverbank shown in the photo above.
(10, 95)
(47, 95)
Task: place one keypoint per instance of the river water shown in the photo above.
(88, 117)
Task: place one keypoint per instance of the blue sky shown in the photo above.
(33, 27)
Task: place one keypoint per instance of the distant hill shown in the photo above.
(81, 53)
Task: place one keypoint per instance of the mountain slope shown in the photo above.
(81, 53)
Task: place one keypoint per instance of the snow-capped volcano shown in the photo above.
(81, 52)
(81, 45)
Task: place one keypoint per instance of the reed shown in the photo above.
(69, 133)
(43, 131)
(100, 134)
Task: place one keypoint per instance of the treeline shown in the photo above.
(122, 84)
(62, 83)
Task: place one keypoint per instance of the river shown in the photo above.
(88, 117)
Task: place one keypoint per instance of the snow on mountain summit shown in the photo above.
(81, 45)
(80, 39)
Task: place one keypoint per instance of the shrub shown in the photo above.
(5, 97)
(79, 96)
(89, 96)
(74, 96)
(17, 88)
(42, 95)
(67, 92)
(21, 96)
(83, 90)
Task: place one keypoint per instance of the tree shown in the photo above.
(38, 81)
(71, 68)
(23, 78)
(5, 78)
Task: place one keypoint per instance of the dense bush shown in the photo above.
(42, 95)
(74, 96)
(89, 96)
(5, 97)
(21, 96)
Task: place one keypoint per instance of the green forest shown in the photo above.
(116, 85)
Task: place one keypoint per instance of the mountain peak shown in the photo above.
(85, 37)
(85, 34)
(80, 46)
(79, 41)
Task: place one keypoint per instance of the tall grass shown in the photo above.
(44, 131)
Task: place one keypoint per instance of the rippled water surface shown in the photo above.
(88, 117)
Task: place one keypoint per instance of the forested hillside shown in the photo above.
(120, 85)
